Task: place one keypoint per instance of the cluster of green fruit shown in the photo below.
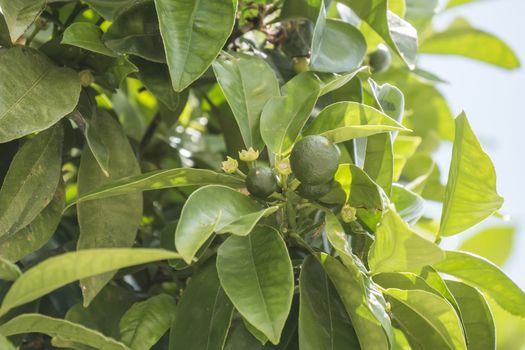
(313, 162)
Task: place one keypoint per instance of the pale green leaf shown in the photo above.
(203, 314)
(54, 327)
(246, 95)
(86, 36)
(193, 33)
(463, 40)
(476, 316)
(428, 320)
(20, 14)
(6, 344)
(110, 222)
(63, 269)
(471, 194)
(147, 321)
(229, 212)
(486, 276)
(256, 274)
(9, 271)
(31, 181)
(359, 189)
(493, 243)
(409, 205)
(399, 248)
(34, 93)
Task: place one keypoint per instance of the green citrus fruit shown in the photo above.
(300, 64)
(380, 59)
(314, 191)
(314, 160)
(261, 182)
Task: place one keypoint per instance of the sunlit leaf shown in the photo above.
(493, 243)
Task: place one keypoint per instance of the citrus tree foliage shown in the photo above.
(243, 174)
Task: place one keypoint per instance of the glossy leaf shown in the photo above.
(147, 321)
(54, 327)
(337, 46)
(409, 205)
(463, 40)
(31, 181)
(486, 276)
(161, 179)
(60, 270)
(246, 96)
(428, 320)
(256, 274)
(20, 14)
(493, 243)
(284, 116)
(344, 121)
(37, 232)
(363, 303)
(360, 190)
(194, 33)
(110, 222)
(9, 271)
(396, 32)
(471, 194)
(136, 31)
(34, 93)
(229, 212)
(398, 248)
(204, 313)
(476, 316)
(323, 321)
(87, 36)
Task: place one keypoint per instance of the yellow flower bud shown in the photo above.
(248, 155)
(86, 77)
(348, 213)
(230, 165)
(283, 167)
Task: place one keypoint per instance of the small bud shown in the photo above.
(230, 165)
(283, 167)
(348, 214)
(248, 155)
(86, 77)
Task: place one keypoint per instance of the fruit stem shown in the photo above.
(240, 173)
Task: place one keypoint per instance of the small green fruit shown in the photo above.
(261, 182)
(380, 59)
(314, 191)
(314, 160)
(300, 64)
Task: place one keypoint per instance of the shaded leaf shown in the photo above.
(20, 14)
(108, 9)
(9, 271)
(87, 36)
(256, 274)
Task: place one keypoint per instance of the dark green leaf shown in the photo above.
(20, 14)
(87, 36)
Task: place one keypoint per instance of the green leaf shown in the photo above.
(428, 320)
(31, 181)
(284, 116)
(404, 281)
(463, 40)
(136, 31)
(110, 222)
(37, 232)
(31, 86)
(240, 338)
(379, 160)
(493, 243)
(454, 3)
(476, 316)
(20, 14)
(155, 77)
(5, 39)
(300, 9)
(344, 121)
(63, 269)
(108, 9)
(359, 189)
(399, 248)
(229, 212)
(9, 271)
(147, 321)
(161, 179)
(323, 321)
(471, 194)
(256, 274)
(337, 46)
(93, 132)
(486, 276)
(193, 33)
(409, 205)
(6, 344)
(87, 36)
(54, 327)
(203, 314)
(246, 96)
(363, 303)
(396, 32)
